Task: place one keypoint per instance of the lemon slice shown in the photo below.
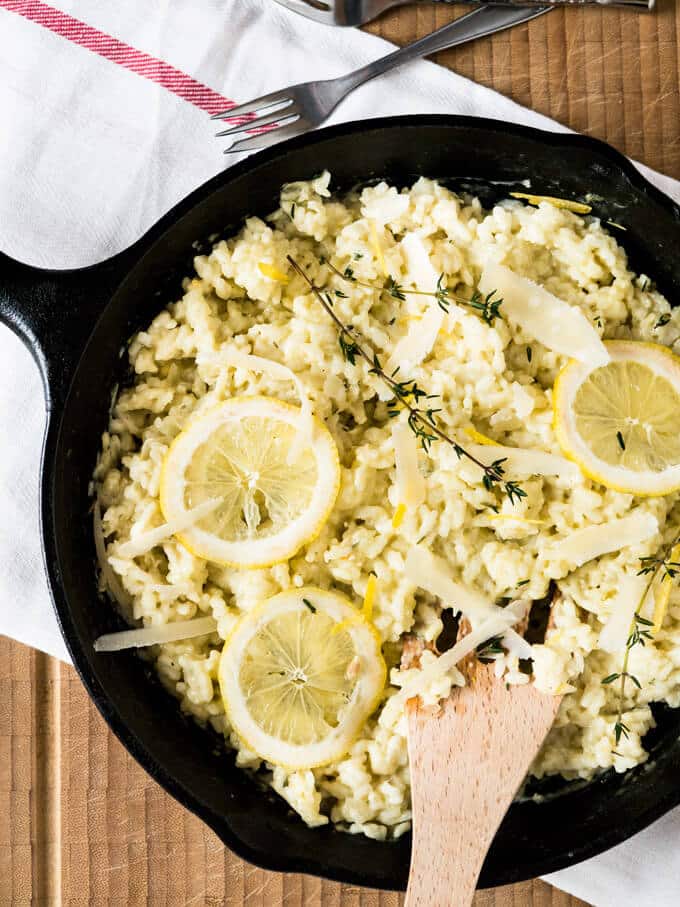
(621, 421)
(238, 453)
(294, 691)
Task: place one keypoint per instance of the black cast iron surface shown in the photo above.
(77, 323)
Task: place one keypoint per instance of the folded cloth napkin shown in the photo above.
(104, 130)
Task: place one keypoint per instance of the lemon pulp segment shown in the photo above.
(296, 692)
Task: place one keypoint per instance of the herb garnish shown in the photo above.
(422, 420)
(663, 320)
(640, 633)
(306, 602)
(487, 306)
(486, 650)
(619, 438)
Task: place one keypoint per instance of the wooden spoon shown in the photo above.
(467, 763)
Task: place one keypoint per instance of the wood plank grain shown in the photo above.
(86, 825)
(609, 73)
(89, 827)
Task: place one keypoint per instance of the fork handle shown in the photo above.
(482, 21)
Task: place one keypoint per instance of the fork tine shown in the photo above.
(266, 139)
(282, 114)
(263, 103)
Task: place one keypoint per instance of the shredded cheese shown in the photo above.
(377, 248)
(145, 541)
(305, 435)
(567, 203)
(410, 483)
(399, 515)
(153, 636)
(556, 324)
(272, 272)
(583, 545)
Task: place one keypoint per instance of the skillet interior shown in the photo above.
(572, 821)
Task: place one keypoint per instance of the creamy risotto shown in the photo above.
(489, 377)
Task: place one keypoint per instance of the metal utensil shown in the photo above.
(358, 12)
(299, 108)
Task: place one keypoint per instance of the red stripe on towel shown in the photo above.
(116, 51)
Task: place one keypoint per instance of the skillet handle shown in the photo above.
(54, 312)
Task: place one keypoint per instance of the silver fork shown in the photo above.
(299, 108)
(359, 12)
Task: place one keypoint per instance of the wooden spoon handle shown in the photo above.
(466, 766)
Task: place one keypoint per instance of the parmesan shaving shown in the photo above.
(617, 627)
(156, 635)
(410, 483)
(585, 544)
(556, 324)
(111, 581)
(497, 625)
(429, 572)
(421, 335)
(417, 343)
(517, 645)
(419, 268)
(305, 435)
(145, 541)
(521, 462)
(516, 519)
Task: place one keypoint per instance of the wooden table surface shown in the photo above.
(83, 824)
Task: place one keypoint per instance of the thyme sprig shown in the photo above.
(487, 306)
(640, 633)
(422, 417)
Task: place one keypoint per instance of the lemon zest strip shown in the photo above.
(369, 598)
(566, 203)
(272, 272)
(399, 515)
(477, 436)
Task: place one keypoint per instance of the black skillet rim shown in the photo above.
(619, 832)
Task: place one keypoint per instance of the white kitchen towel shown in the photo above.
(100, 134)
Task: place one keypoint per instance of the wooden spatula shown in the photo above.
(467, 763)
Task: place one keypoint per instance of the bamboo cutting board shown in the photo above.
(81, 823)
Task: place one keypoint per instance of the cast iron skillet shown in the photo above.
(76, 323)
